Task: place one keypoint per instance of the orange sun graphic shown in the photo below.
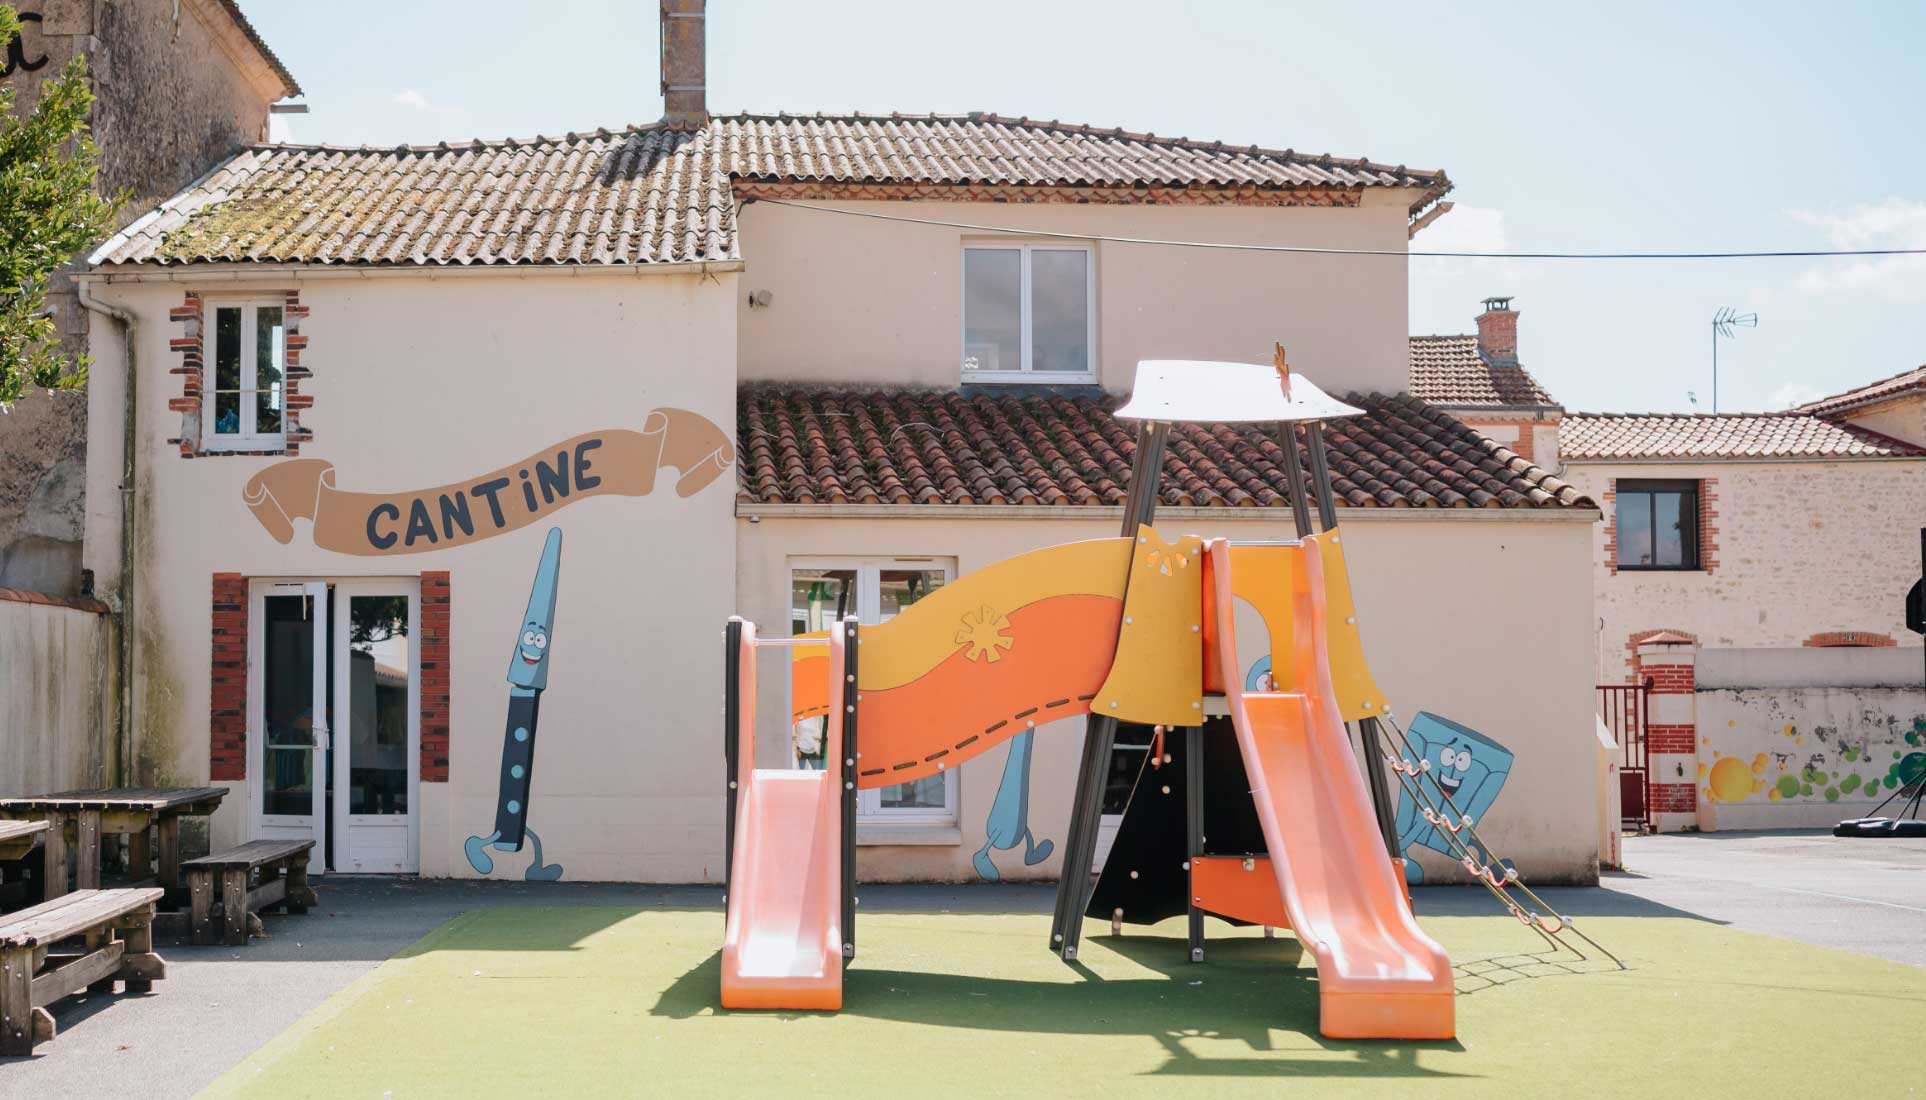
(985, 632)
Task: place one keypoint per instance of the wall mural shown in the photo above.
(1793, 746)
(617, 461)
(1466, 765)
(1009, 821)
(527, 679)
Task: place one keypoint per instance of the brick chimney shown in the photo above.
(683, 93)
(1498, 331)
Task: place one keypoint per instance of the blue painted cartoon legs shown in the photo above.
(477, 847)
(1009, 820)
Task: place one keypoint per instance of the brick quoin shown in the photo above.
(1642, 637)
(227, 694)
(1675, 798)
(1857, 638)
(434, 676)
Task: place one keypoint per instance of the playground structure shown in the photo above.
(1243, 658)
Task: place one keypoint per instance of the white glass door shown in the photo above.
(377, 726)
(288, 713)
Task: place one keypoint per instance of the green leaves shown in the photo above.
(49, 212)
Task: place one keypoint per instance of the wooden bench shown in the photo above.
(39, 967)
(243, 881)
(17, 838)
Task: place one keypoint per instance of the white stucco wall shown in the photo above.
(880, 302)
(420, 382)
(1480, 617)
(1803, 548)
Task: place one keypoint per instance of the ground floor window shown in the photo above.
(822, 591)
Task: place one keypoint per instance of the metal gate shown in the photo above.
(1623, 709)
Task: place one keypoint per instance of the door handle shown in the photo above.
(320, 738)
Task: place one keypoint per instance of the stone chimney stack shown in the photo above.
(684, 97)
(1498, 331)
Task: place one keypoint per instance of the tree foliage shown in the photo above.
(49, 211)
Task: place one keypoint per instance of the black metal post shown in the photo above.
(851, 753)
(1321, 476)
(731, 746)
(1194, 831)
(1294, 479)
(1100, 733)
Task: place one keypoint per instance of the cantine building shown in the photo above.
(365, 387)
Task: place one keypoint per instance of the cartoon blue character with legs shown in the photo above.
(1009, 822)
(1467, 766)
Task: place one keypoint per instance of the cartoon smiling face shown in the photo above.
(534, 644)
(1464, 765)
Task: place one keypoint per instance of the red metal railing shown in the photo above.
(1623, 707)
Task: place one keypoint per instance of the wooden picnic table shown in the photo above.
(99, 813)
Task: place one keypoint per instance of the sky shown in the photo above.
(1575, 127)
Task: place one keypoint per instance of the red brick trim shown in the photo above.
(77, 603)
(1708, 525)
(434, 676)
(227, 692)
(190, 346)
(1643, 637)
(1675, 798)
(1840, 638)
(1245, 195)
(1609, 505)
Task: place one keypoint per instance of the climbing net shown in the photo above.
(1460, 833)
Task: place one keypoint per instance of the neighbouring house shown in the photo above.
(372, 381)
(1735, 548)
(178, 85)
(1479, 381)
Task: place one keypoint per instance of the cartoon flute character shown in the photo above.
(527, 679)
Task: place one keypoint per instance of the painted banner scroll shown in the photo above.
(618, 461)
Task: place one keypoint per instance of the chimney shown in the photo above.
(1498, 331)
(683, 98)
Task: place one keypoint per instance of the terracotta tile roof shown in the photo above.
(1611, 436)
(662, 193)
(1899, 385)
(1448, 371)
(803, 444)
(291, 88)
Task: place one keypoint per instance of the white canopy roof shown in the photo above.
(1200, 391)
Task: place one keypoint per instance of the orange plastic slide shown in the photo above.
(1379, 975)
(783, 945)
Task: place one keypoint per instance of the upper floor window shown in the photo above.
(249, 359)
(1658, 524)
(1029, 313)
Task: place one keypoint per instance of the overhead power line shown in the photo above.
(1787, 253)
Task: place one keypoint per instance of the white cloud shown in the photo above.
(408, 97)
(1893, 223)
(1793, 394)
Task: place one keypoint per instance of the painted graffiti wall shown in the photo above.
(460, 421)
(1802, 738)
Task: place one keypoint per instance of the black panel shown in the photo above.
(1150, 839)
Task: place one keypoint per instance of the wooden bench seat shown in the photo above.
(88, 939)
(241, 882)
(17, 838)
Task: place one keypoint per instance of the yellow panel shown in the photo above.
(1261, 576)
(973, 611)
(1158, 674)
(1358, 694)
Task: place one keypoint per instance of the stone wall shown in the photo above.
(56, 698)
(1803, 550)
(177, 90)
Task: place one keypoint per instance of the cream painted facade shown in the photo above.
(1468, 613)
(424, 381)
(1802, 548)
(867, 301)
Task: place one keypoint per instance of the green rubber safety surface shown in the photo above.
(592, 1002)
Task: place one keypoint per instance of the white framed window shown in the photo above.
(1029, 313)
(823, 591)
(243, 402)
